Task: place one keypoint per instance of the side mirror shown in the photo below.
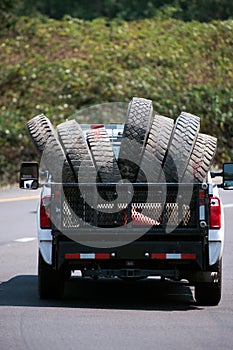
(29, 175)
(227, 176)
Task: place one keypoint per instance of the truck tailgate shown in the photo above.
(116, 212)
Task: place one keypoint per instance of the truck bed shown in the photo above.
(119, 210)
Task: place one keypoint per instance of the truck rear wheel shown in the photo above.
(209, 294)
(134, 137)
(50, 282)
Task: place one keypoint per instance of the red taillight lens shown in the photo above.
(215, 213)
(44, 216)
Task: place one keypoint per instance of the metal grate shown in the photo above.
(82, 207)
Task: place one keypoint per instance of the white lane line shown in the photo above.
(5, 200)
(228, 205)
(25, 239)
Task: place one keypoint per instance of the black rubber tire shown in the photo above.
(40, 129)
(201, 158)
(182, 141)
(46, 141)
(76, 149)
(134, 137)
(50, 282)
(103, 155)
(209, 294)
(156, 148)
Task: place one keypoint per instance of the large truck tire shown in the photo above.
(182, 141)
(47, 144)
(134, 137)
(209, 294)
(50, 282)
(40, 129)
(201, 158)
(156, 148)
(76, 149)
(103, 155)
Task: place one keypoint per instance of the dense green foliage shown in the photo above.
(56, 67)
(202, 10)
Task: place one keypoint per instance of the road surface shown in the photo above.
(105, 315)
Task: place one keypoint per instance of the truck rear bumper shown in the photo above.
(152, 257)
(175, 274)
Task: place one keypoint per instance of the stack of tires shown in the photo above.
(153, 149)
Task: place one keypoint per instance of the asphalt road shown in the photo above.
(104, 315)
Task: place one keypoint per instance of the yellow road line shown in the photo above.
(5, 200)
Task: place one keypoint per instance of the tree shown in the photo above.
(206, 10)
(6, 7)
(201, 10)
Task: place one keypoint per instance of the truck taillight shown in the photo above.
(215, 213)
(44, 216)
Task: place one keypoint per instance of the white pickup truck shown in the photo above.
(96, 218)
